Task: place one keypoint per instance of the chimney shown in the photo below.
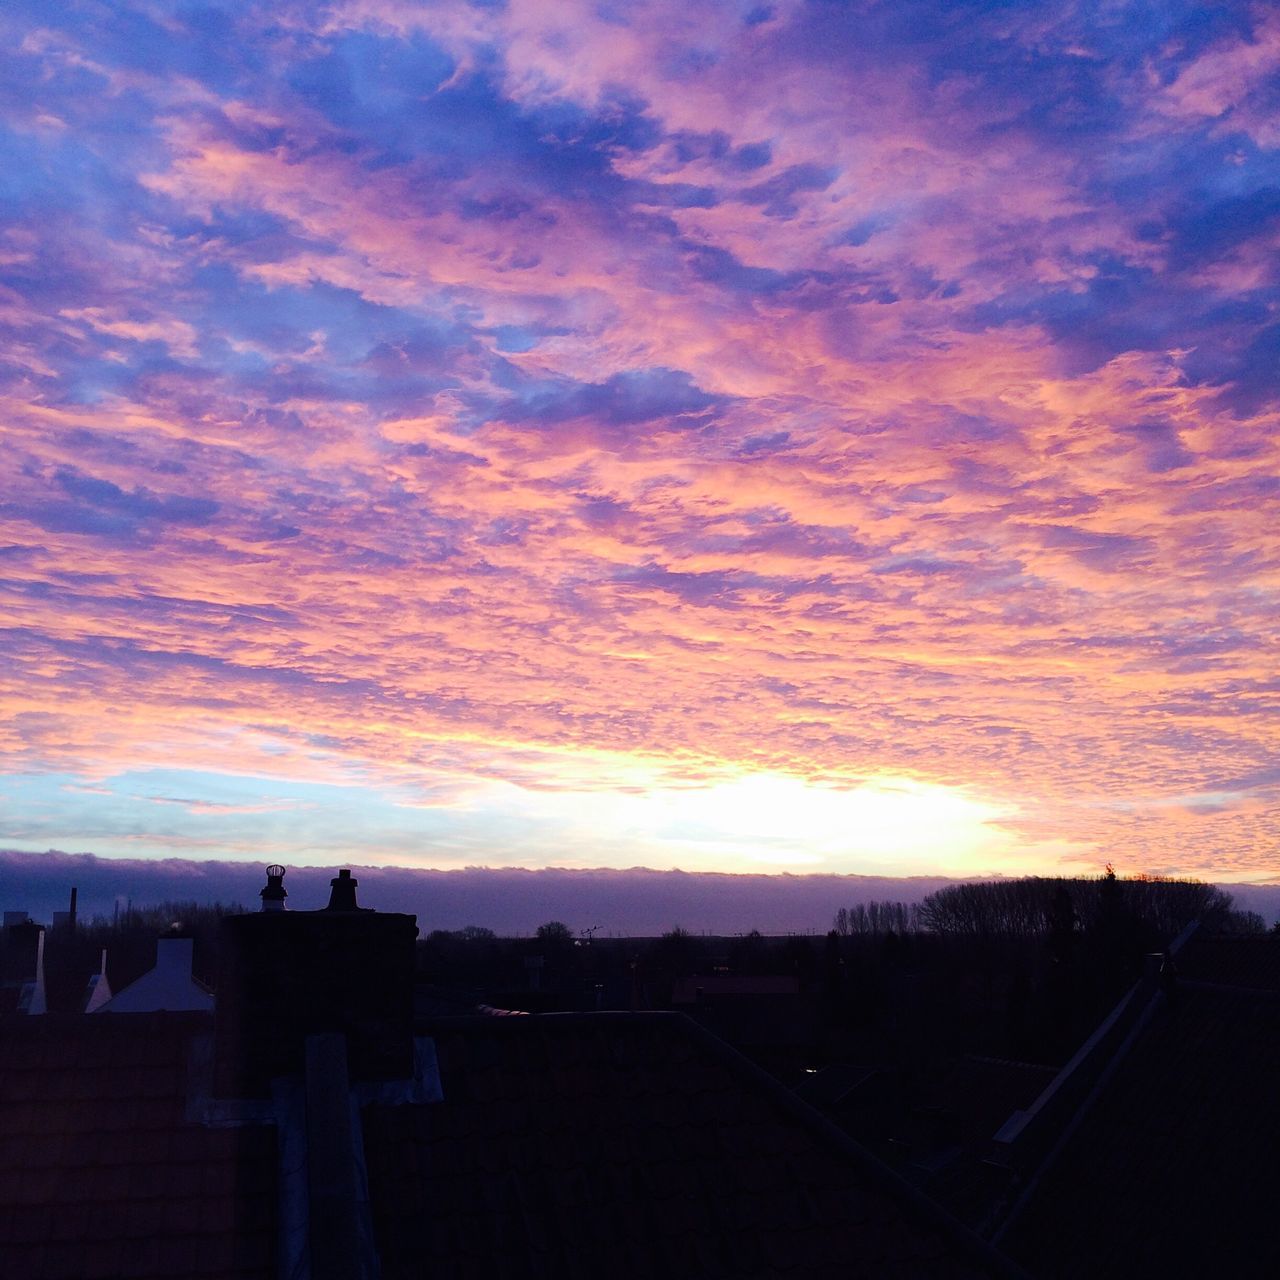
(66, 919)
(275, 893)
(99, 990)
(342, 893)
(33, 999)
(285, 976)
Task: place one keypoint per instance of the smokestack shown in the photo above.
(66, 919)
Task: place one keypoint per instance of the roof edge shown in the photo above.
(969, 1244)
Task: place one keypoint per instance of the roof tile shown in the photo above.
(559, 1140)
(99, 1166)
(562, 1136)
(1169, 1171)
(66, 1260)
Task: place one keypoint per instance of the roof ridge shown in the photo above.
(841, 1144)
(1199, 984)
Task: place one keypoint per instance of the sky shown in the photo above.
(811, 437)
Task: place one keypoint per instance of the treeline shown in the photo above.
(129, 936)
(877, 918)
(1040, 905)
(188, 917)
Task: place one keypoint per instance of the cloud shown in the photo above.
(514, 391)
(624, 400)
(512, 901)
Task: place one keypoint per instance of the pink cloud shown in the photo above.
(657, 397)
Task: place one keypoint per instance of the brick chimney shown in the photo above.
(284, 976)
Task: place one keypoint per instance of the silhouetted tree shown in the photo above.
(677, 952)
(1246, 923)
(129, 937)
(1017, 1003)
(749, 954)
(799, 958)
(1062, 926)
(875, 918)
(1116, 946)
(1155, 907)
(555, 934)
(1061, 934)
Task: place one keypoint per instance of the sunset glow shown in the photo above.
(729, 436)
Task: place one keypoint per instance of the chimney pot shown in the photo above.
(342, 895)
(275, 893)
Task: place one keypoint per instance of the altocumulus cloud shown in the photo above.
(527, 394)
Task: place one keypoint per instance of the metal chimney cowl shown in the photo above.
(274, 895)
(287, 975)
(342, 893)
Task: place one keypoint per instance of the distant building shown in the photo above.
(22, 979)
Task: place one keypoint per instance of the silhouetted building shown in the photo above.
(22, 983)
(768, 1017)
(1166, 1164)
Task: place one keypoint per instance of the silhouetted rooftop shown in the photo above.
(573, 1145)
(1172, 1171)
(633, 1145)
(1252, 962)
(101, 1176)
(696, 987)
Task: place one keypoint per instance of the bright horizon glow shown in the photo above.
(775, 822)
(765, 822)
(731, 436)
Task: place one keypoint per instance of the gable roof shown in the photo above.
(567, 1144)
(1172, 1169)
(100, 1175)
(1231, 960)
(633, 1145)
(692, 989)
